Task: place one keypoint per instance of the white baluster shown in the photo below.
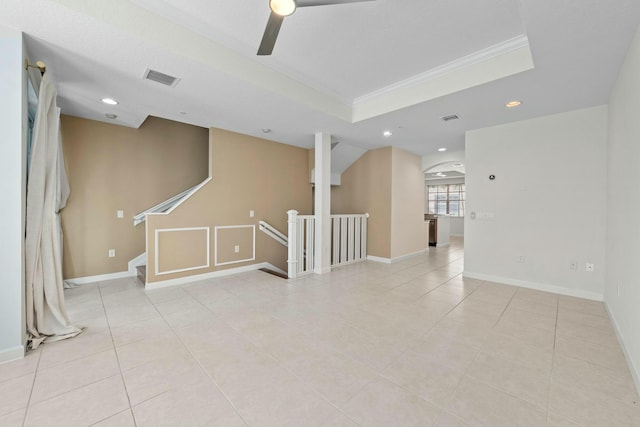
(292, 261)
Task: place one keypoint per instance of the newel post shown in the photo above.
(292, 257)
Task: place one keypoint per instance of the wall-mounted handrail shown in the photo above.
(168, 204)
(272, 232)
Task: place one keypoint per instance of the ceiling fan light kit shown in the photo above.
(283, 8)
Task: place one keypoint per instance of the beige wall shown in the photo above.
(366, 187)
(388, 183)
(247, 174)
(114, 168)
(407, 203)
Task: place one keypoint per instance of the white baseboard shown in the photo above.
(378, 259)
(10, 354)
(322, 270)
(210, 275)
(100, 278)
(635, 372)
(400, 258)
(534, 285)
(139, 260)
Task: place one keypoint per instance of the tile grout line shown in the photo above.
(553, 360)
(115, 351)
(194, 356)
(33, 383)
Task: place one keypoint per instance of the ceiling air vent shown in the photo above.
(161, 78)
(450, 117)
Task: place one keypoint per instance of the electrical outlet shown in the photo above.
(120, 214)
(237, 248)
(520, 259)
(252, 213)
(573, 265)
(112, 253)
(590, 267)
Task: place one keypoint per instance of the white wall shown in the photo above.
(441, 157)
(548, 200)
(457, 226)
(12, 154)
(622, 292)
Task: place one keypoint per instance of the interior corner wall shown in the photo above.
(547, 203)
(13, 124)
(366, 188)
(407, 204)
(622, 292)
(113, 168)
(248, 174)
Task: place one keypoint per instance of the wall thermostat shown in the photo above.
(492, 177)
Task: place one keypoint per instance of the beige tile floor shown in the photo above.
(412, 343)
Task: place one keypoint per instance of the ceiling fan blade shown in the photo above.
(307, 3)
(270, 34)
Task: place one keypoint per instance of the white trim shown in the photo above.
(210, 275)
(400, 258)
(139, 260)
(215, 243)
(534, 285)
(378, 259)
(411, 255)
(180, 270)
(10, 354)
(443, 70)
(635, 374)
(100, 278)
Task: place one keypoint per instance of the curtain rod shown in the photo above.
(39, 65)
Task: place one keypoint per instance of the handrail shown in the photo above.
(168, 204)
(272, 232)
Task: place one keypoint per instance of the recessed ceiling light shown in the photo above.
(442, 149)
(110, 101)
(266, 130)
(111, 116)
(513, 104)
(387, 133)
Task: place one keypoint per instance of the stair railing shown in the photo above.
(169, 204)
(272, 232)
(349, 238)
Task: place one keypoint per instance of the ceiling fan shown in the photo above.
(283, 8)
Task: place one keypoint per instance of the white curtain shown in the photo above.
(47, 193)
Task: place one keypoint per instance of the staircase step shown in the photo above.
(275, 273)
(142, 273)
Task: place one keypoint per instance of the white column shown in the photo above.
(323, 203)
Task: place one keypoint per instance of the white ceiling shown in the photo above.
(351, 70)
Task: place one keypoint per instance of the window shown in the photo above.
(446, 199)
